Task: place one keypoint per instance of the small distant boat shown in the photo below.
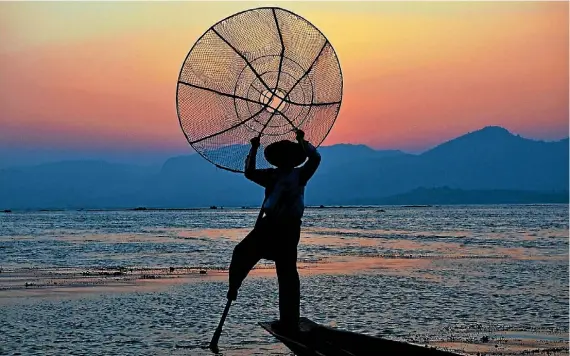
(318, 340)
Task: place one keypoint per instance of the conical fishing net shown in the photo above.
(261, 72)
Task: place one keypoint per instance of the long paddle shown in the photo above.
(216, 337)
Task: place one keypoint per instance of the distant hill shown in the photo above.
(490, 159)
(70, 184)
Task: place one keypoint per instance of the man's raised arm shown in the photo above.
(314, 158)
(259, 176)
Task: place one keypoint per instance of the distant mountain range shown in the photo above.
(490, 165)
(446, 195)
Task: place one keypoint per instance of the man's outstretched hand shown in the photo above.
(255, 142)
(300, 135)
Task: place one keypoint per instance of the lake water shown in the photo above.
(421, 274)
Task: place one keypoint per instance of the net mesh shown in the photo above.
(262, 72)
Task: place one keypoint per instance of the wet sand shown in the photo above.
(56, 282)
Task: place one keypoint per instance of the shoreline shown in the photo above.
(43, 282)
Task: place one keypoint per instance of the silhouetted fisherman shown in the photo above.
(276, 235)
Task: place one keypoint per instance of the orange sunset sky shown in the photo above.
(102, 75)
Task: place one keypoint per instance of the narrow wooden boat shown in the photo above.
(314, 339)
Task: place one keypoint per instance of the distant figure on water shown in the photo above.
(277, 232)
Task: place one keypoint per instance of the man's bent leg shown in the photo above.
(246, 254)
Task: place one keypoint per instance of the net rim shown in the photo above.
(273, 9)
